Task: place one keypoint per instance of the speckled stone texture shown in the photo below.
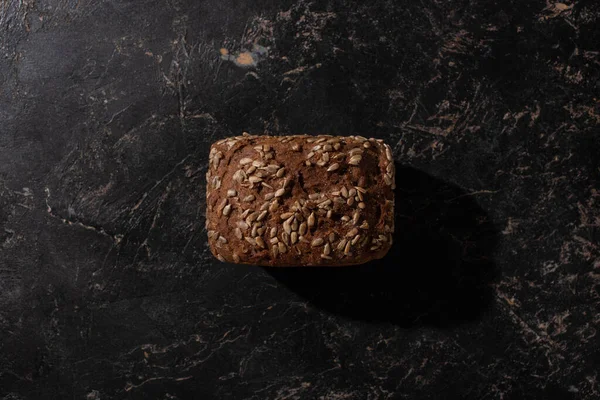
(107, 112)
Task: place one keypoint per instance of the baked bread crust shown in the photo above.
(300, 200)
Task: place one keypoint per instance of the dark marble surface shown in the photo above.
(107, 288)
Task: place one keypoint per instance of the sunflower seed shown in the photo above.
(282, 247)
(309, 155)
(220, 257)
(336, 146)
(350, 201)
(361, 205)
(251, 170)
(316, 242)
(324, 204)
(355, 239)
(250, 240)
(329, 214)
(332, 237)
(333, 167)
(254, 232)
(364, 225)
(274, 240)
(239, 176)
(252, 217)
(355, 160)
(352, 232)
(326, 257)
(260, 242)
(227, 210)
(327, 249)
(307, 163)
(344, 191)
(254, 179)
(249, 198)
(275, 250)
(236, 258)
(327, 147)
(314, 196)
(262, 215)
(258, 163)
(269, 196)
(347, 248)
(279, 192)
(311, 220)
(388, 153)
(271, 168)
(280, 172)
(352, 192)
(231, 193)
(238, 233)
(273, 232)
(286, 227)
(387, 179)
(389, 168)
(295, 222)
(274, 206)
(295, 147)
(242, 224)
(366, 145)
(302, 228)
(355, 217)
(245, 161)
(294, 237)
(211, 234)
(345, 218)
(261, 230)
(286, 215)
(341, 244)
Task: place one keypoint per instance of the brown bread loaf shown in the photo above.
(300, 200)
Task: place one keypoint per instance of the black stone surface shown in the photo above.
(107, 288)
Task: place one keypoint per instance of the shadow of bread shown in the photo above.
(438, 272)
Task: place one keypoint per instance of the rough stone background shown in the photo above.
(107, 288)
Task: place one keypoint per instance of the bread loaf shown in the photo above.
(300, 200)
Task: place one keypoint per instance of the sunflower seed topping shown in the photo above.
(355, 160)
(333, 167)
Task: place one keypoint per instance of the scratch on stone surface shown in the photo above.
(541, 337)
(130, 386)
(117, 114)
(116, 238)
(145, 195)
